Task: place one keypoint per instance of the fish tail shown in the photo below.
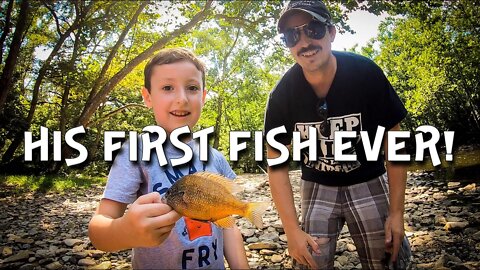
(255, 211)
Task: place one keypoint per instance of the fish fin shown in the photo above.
(229, 184)
(227, 222)
(254, 212)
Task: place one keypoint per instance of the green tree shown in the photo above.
(432, 57)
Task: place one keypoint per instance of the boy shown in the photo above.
(160, 237)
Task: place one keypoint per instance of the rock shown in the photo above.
(72, 242)
(278, 225)
(276, 258)
(24, 241)
(469, 187)
(269, 237)
(440, 220)
(95, 253)
(425, 265)
(438, 196)
(52, 219)
(452, 185)
(86, 262)
(6, 251)
(455, 226)
(247, 232)
(343, 260)
(351, 247)
(444, 259)
(20, 256)
(341, 246)
(262, 245)
(27, 266)
(78, 247)
(455, 219)
(454, 209)
(476, 236)
(54, 266)
(266, 252)
(45, 261)
(44, 253)
(252, 240)
(102, 266)
(80, 255)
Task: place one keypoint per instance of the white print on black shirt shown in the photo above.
(325, 160)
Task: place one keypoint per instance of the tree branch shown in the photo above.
(54, 16)
(108, 115)
(95, 101)
(114, 50)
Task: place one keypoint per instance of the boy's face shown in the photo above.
(176, 95)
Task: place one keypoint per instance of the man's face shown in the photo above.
(311, 54)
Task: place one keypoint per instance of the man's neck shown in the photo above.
(322, 78)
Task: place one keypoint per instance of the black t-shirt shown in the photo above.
(360, 99)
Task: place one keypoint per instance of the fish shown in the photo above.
(206, 196)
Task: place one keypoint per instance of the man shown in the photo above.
(335, 91)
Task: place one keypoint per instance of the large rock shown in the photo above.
(262, 245)
(72, 242)
(22, 255)
(450, 226)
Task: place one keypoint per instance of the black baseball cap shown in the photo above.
(316, 8)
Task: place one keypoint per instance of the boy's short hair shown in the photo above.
(169, 56)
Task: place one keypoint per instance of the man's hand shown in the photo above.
(148, 221)
(394, 234)
(298, 242)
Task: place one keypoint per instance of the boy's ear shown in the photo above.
(146, 97)
(204, 95)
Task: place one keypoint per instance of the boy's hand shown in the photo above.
(148, 221)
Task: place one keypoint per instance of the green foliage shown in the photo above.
(432, 58)
(56, 184)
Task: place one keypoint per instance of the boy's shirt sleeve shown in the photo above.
(124, 178)
(223, 166)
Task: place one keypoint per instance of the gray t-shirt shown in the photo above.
(191, 244)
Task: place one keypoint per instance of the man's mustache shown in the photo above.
(309, 48)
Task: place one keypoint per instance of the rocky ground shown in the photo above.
(39, 231)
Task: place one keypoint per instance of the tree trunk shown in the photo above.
(6, 28)
(218, 123)
(10, 63)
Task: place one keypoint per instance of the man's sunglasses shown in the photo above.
(314, 29)
(322, 112)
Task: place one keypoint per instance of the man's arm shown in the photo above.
(394, 226)
(234, 249)
(282, 194)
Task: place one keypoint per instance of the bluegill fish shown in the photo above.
(208, 197)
